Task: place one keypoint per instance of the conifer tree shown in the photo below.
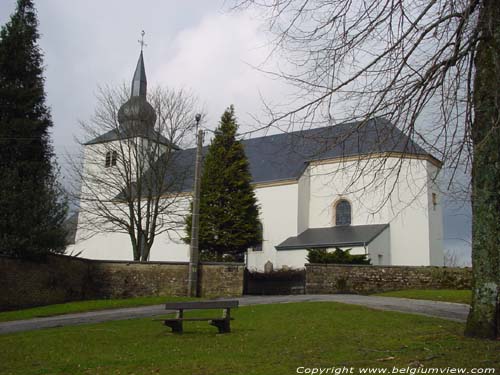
(229, 214)
(31, 208)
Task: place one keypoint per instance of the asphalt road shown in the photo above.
(451, 311)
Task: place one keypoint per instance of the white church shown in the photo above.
(365, 187)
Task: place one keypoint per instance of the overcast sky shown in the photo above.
(197, 45)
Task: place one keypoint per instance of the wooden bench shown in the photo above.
(222, 323)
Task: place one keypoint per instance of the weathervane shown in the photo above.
(141, 42)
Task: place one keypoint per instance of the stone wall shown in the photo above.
(221, 279)
(61, 279)
(118, 279)
(55, 280)
(332, 278)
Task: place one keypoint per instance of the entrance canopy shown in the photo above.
(338, 236)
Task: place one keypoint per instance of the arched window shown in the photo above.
(343, 213)
(111, 157)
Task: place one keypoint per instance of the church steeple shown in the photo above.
(137, 116)
(139, 82)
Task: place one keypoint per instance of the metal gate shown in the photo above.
(282, 282)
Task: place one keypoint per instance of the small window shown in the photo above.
(258, 247)
(380, 259)
(434, 201)
(343, 213)
(111, 157)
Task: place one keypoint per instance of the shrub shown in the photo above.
(338, 256)
(208, 256)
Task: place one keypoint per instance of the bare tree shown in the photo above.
(431, 67)
(132, 177)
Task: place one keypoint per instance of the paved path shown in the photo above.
(451, 311)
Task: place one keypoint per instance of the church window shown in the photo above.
(343, 213)
(258, 247)
(434, 201)
(111, 157)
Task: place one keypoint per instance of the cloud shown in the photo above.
(215, 59)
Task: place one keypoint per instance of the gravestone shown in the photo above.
(268, 267)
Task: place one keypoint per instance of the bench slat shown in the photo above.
(199, 305)
(193, 319)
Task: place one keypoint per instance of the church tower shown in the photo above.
(122, 166)
(133, 143)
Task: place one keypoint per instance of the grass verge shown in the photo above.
(266, 339)
(443, 295)
(82, 306)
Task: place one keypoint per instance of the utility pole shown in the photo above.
(193, 249)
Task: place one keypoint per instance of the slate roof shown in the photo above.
(120, 133)
(285, 156)
(342, 235)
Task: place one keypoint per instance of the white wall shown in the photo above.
(278, 214)
(113, 244)
(379, 250)
(294, 259)
(117, 246)
(381, 191)
(304, 194)
(435, 217)
(106, 183)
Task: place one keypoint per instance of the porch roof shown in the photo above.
(338, 236)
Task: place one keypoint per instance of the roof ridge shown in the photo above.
(318, 128)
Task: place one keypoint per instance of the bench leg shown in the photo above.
(175, 325)
(223, 325)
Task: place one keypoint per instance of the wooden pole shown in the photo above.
(193, 249)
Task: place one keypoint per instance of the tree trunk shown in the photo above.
(135, 249)
(484, 317)
(143, 246)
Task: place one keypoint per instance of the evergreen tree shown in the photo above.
(229, 215)
(31, 208)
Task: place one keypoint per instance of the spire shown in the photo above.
(139, 82)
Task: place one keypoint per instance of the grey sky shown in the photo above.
(191, 44)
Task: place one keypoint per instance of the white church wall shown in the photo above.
(379, 250)
(102, 242)
(304, 193)
(278, 214)
(381, 191)
(95, 157)
(97, 241)
(435, 209)
(410, 223)
(169, 246)
(111, 244)
(294, 259)
(94, 171)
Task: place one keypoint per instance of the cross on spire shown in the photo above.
(141, 41)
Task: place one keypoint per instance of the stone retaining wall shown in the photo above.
(112, 279)
(221, 279)
(57, 279)
(360, 279)
(61, 279)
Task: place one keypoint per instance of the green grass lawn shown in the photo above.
(266, 339)
(445, 295)
(81, 306)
